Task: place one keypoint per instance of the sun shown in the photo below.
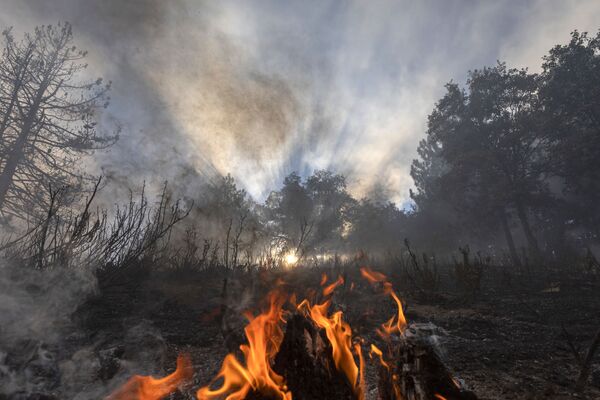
(291, 258)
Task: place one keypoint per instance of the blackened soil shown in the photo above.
(502, 343)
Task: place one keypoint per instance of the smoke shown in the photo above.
(260, 89)
(37, 304)
(43, 350)
(35, 317)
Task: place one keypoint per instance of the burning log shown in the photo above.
(309, 354)
(305, 361)
(418, 373)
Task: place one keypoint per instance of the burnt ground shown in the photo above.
(502, 341)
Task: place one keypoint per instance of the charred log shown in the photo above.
(305, 361)
(418, 373)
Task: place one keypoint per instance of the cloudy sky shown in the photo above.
(259, 89)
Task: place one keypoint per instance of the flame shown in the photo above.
(439, 397)
(323, 279)
(372, 276)
(332, 286)
(397, 324)
(148, 388)
(361, 367)
(264, 336)
(339, 335)
(375, 350)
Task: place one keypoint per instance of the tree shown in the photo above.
(290, 208)
(494, 153)
(331, 204)
(375, 226)
(48, 117)
(570, 100)
(434, 223)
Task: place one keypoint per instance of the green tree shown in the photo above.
(376, 226)
(494, 150)
(570, 99)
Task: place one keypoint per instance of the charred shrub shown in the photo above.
(468, 273)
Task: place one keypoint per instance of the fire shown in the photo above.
(149, 388)
(361, 370)
(375, 350)
(372, 276)
(439, 397)
(264, 336)
(323, 279)
(397, 324)
(339, 335)
(331, 287)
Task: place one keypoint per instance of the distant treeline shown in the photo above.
(510, 165)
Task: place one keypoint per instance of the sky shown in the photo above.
(259, 89)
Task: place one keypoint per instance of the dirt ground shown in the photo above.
(501, 342)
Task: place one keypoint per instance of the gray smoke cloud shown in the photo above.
(44, 350)
(262, 88)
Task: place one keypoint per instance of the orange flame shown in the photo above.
(331, 287)
(339, 335)
(264, 336)
(361, 368)
(149, 388)
(375, 350)
(398, 322)
(439, 397)
(372, 276)
(323, 279)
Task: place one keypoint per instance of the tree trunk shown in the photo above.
(514, 256)
(14, 158)
(16, 154)
(9, 110)
(531, 240)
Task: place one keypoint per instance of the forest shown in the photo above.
(505, 208)
(508, 167)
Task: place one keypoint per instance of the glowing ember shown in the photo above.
(149, 388)
(264, 336)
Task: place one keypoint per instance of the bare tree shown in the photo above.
(48, 117)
